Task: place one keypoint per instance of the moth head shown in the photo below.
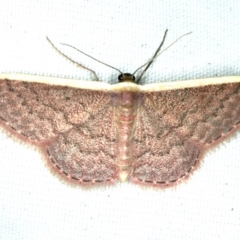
(126, 77)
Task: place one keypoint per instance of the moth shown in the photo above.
(97, 133)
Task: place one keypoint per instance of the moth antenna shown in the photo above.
(157, 54)
(152, 59)
(92, 57)
(71, 60)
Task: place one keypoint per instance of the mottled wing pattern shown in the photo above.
(175, 128)
(74, 128)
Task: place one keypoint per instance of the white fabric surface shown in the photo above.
(36, 205)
